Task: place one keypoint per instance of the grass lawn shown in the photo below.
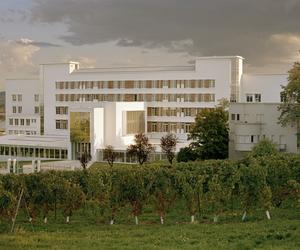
(87, 231)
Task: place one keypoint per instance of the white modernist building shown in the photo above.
(67, 110)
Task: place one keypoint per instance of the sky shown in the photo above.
(108, 33)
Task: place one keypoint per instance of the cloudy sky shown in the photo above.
(147, 32)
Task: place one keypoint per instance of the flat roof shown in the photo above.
(135, 69)
(35, 141)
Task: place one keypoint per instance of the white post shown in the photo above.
(268, 215)
(33, 166)
(244, 216)
(136, 220)
(161, 220)
(68, 219)
(14, 166)
(215, 219)
(111, 222)
(192, 218)
(45, 220)
(8, 165)
(38, 165)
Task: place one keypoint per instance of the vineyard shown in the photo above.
(207, 191)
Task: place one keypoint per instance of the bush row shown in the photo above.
(253, 183)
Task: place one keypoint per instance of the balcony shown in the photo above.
(248, 146)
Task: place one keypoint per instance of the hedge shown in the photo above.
(214, 186)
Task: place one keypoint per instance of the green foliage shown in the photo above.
(7, 203)
(290, 108)
(109, 155)
(186, 154)
(210, 134)
(212, 186)
(264, 148)
(168, 146)
(141, 148)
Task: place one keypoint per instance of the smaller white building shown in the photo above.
(251, 122)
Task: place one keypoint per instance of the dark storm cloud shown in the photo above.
(210, 27)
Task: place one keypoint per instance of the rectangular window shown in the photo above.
(282, 97)
(257, 97)
(36, 97)
(14, 109)
(249, 98)
(36, 109)
(61, 124)
(22, 122)
(60, 110)
(16, 122)
(20, 109)
(19, 98)
(14, 98)
(27, 122)
(135, 122)
(237, 117)
(233, 117)
(11, 121)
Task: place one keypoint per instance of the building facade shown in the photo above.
(88, 109)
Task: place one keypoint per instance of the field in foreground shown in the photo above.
(87, 232)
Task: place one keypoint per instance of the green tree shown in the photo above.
(186, 154)
(264, 148)
(109, 155)
(84, 159)
(210, 134)
(290, 107)
(141, 148)
(168, 146)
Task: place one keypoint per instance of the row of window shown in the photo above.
(21, 121)
(135, 97)
(18, 97)
(18, 109)
(23, 151)
(253, 97)
(150, 84)
(256, 138)
(158, 111)
(21, 132)
(248, 118)
(161, 127)
(122, 156)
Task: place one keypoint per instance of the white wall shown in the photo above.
(269, 86)
(27, 88)
(258, 119)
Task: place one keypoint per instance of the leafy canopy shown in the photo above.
(168, 146)
(210, 133)
(290, 107)
(264, 148)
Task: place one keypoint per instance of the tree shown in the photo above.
(168, 146)
(290, 107)
(141, 148)
(264, 148)
(210, 134)
(84, 159)
(186, 154)
(109, 155)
